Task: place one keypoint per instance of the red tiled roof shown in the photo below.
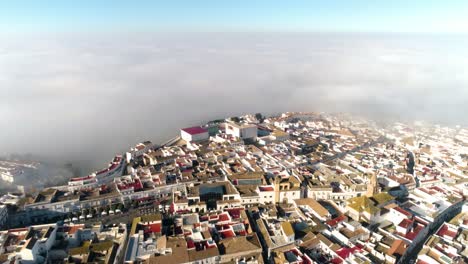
(153, 228)
(445, 231)
(411, 235)
(336, 261)
(235, 212)
(224, 217)
(266, 188)
(403, 211)
(336, 220)
(213, 217)
(73, 229)
(102, 171)
(437, 189)
(136, 185)
(190, 244)
(113, 166)
(346, 252)
(405, 223)
(227, 233)
(194, 130)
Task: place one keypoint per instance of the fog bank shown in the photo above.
(83, 98)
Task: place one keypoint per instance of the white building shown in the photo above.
(39, 241)
(79, 183)
(243, 131)
(267, 194)
(190, 134)
(141, 148)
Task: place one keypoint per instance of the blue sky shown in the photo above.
(343, 16)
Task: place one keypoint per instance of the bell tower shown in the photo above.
(372, 186)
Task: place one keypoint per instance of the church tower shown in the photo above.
(372, 186)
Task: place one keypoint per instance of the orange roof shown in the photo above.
(73, 229)
(398, 246)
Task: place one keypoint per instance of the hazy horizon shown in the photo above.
(73, 97)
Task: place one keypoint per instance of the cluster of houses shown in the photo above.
(294, 188)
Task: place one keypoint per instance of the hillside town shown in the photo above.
(295, 188)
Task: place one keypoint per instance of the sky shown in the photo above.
(81, 81)
(427, 16)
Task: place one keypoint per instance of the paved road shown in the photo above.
(125, 217)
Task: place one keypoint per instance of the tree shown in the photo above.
(259, 117)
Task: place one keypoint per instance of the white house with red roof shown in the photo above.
(195, 133)
(448, 231)
(267, 194)
(396, 214)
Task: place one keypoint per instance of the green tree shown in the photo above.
(259, 117)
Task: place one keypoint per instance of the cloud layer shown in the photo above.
(88, 97)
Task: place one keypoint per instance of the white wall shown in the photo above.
(289, 195)
(249, 132)
(267, 197)
(197, 137)
(244, 132)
